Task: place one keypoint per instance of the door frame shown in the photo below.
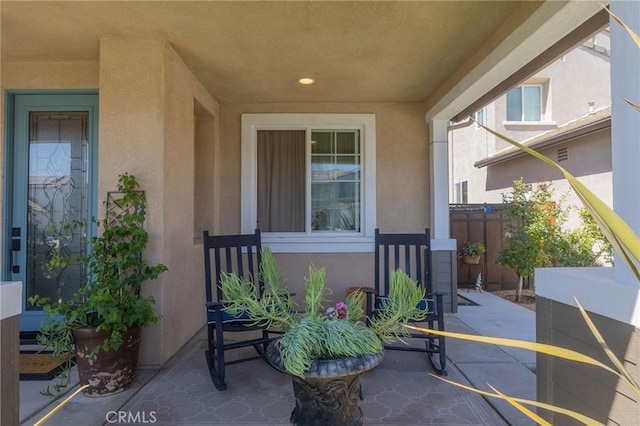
(9, 160)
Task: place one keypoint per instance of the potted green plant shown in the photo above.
(101, 322)
(324, 349)
(471, 252)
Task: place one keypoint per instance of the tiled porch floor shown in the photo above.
(399, 391)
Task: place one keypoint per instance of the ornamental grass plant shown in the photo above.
(319, 331)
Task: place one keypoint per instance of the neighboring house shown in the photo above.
(563, 111)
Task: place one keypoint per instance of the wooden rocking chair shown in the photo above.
(412, 254)
(230, 253)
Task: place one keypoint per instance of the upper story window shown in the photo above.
(480, 116)
(524, 103)
(308, 180)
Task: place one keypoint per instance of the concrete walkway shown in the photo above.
(399, 391)
(509, 370)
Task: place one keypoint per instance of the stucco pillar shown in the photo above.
(132, 139)
(132, 114)
(10, 309)
(439, 180)
(444, 277)
(625, 123)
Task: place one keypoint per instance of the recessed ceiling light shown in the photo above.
(306, 80)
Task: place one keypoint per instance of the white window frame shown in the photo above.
(459, 193)
(481, 117)
(307, 242)
(545, 104)
(523, 106)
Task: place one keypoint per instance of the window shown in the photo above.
(480, 116)
(335, 180)
(461, 195)
(308, 180)
(524, 103)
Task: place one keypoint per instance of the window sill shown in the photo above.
(334, 243)
(530, 123)
(318, 244)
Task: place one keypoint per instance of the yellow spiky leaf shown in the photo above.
(632, 33)
(524, 410)
(607, 350)
(573, 414)
(521, 344)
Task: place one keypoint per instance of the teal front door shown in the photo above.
(51, 163)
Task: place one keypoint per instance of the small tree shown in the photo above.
(532, 223)
(584, 246)
(534, 237)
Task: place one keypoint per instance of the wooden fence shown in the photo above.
(483, 223)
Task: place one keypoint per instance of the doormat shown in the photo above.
(463, 301)
(41, 366)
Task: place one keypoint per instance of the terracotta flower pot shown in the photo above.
(108, 372)
(471, 260)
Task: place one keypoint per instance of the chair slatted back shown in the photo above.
(230, 253)
(409, 252)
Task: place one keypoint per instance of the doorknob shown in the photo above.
(15, 247)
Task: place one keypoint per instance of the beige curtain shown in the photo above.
(281, 180)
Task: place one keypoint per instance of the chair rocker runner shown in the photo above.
(225, 254)
(412, 254)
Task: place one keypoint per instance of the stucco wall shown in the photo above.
(579, 77)
(147, 128)
(183, 286)
(344, 270)
(589, 159)
(467, 144)
(50, 75)
(131, 139)
(401, 183)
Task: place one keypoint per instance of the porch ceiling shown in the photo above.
(248, 52)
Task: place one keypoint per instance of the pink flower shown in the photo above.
(341, 307)
(508, 235)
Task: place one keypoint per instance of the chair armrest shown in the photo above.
(214, 304)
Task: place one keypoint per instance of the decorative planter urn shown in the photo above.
(107, 372)
(329, 393)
